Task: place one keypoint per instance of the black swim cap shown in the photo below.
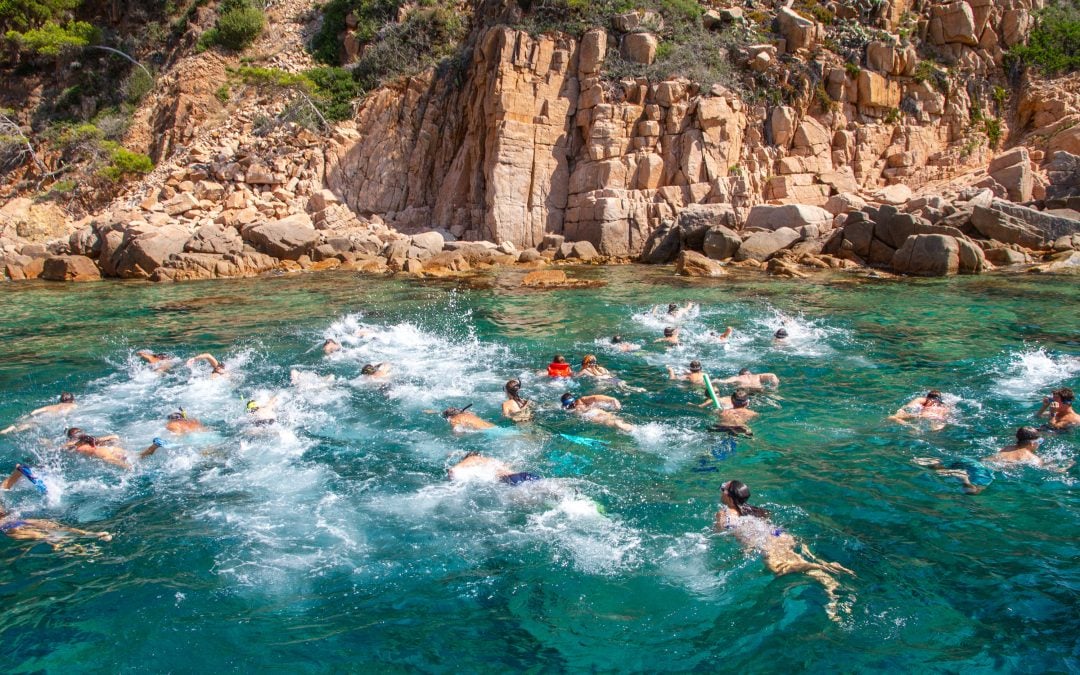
(695, 366)
(616, 339)
(368, 369)
(452, 412)
(744, 371)
(67, 397)
(669, 331)
(933, 395)
(1025, 434)
(780, 333)
(737, 490)
(672, 307)
(73, 432)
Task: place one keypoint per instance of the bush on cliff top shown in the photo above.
(239, 24)
(1054, 44)
(370, 16)
(330, 90)
(426, 37)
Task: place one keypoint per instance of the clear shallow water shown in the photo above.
(332, 540)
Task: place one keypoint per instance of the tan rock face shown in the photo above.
(639, 47)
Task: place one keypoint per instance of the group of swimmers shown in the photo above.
(750, 524)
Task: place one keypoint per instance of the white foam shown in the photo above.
(1033, 371)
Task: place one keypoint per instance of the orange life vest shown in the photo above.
(559, 370)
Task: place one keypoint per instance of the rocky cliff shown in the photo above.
(531, 137)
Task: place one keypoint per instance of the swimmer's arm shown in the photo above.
(204, 357)
(726, 380)
(110, 437)
(45, 410)
(11, 480)
(771, 378)
(727, 333)
(671, 373)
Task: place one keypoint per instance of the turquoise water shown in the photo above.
(333, 541)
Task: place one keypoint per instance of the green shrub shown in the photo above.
(238, 25)
(370, 16)
(426, 37)
(123, 162)
(893, 116)
(136, 85)
(1054, 44)
(22, 15)
(331, 90)
(222, 94)
(852, 69)
(51, 38)
(994, 132)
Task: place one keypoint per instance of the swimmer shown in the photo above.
(299, 378)
(262, 414)
(95, 446)
(751, 381)
(676, 313)
(693, 376)
(751, 527)
(463, 420)
(780, 335)
(590, 368)
(514, 407)
(475, 465)
(592, 409)
(66, 405)
(671, 336)
(1059, 408)
(33, 529)
(976, 477)
(179, 423)
(375, 370)
(330, 346)
(158, 362)
(217, 368)
(622, 345)
(930, 407)
(558, 367)
(739, 414)
(720, 337)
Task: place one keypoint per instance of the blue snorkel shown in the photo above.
(38, 483)
(159, 443)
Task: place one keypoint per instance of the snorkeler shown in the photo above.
(97, 447)
(671, 336)
(694, 375)
(217, 368)
(751, 527)
(476, 466)
(559, 367)
(622, 345)
(674, 312)
(515, 407)
(33, 529)
(262, 414)
(1059, 408)
(592, 409)
(66, 405)
(375, 370)
(591, 368)
(158, 362)
(780, 335)
(751, 381)
(736, 418)
(975, 476)
(330, 346)
(179, 423)
(463, 420)
(930, 407)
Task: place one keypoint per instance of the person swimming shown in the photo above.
(675, 312)
(158, 362)
(591, 368)
(217, 368)
(622, 345)
(262, 414)
(559, 367)
(515, 407)
(671, 336)
(780, 335)
(751, 381)
(694, 375)
(1058, 408)
(721, 337)
(330, 346)
(376, 370)
(463, 420)
(930, 407)
(736, 419)
(593, 409)
(97, 447)
(67, 404)
(179, 423)
(476, 466)
(753, 530)
(34, 529)
(976, 476)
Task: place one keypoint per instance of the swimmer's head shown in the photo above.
(219, 369)
(933, 396)
(735, 490)
(568, 401)
(1027, 434)
(669, 332)
(672, 308)
(73, 433)
(175, 417)
(1065, 395)
(452, 412)
(780, 334)
(368, 369)
(559, 358)
(744, 371)
(740, 399)
(616, 339)
(330, 346)
(589, 360)
(84, 439)
(252, 406)
(67, 397)
(512, 387)
(695, 366)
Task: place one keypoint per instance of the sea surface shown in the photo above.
(333, 541)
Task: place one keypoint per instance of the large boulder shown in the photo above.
(772, 217)
(32, 222)
(694, 264)
(214, 238)
(721, 243)
(782, 125)
(663, 244)
(696, 219)
(928, 255)
(1012, 170)
(70, 268)
(583, 251)
(85, 241)
(760, 246)
(431, 242)
(285, 239)
(143, 249)
(639, 47)
(798, 31)
(1063, 172)
(953, 23)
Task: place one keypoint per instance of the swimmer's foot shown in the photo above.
(930, 462)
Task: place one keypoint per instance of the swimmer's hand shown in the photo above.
(104, 536)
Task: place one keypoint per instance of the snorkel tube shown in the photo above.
(38, 483)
